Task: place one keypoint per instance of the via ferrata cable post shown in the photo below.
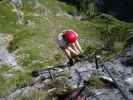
(96, 60)
(51, 75)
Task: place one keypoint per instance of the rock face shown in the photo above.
(83, 70)
(127, 58)
(5, 56)
(121, 69)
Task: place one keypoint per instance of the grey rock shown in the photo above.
(106, 94)
(129, 81)
(29, 23)
(81, 72)
(7, 58)
(127, 54)
(15, 94)
(64, 14)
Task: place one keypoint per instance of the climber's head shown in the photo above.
(70, 36)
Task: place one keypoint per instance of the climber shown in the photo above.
(68, 42)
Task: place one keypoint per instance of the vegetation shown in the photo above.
(95, 82)
(88, 7)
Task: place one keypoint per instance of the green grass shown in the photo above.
(8, 85)
(95, 82)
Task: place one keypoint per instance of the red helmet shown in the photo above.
(70, 36)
